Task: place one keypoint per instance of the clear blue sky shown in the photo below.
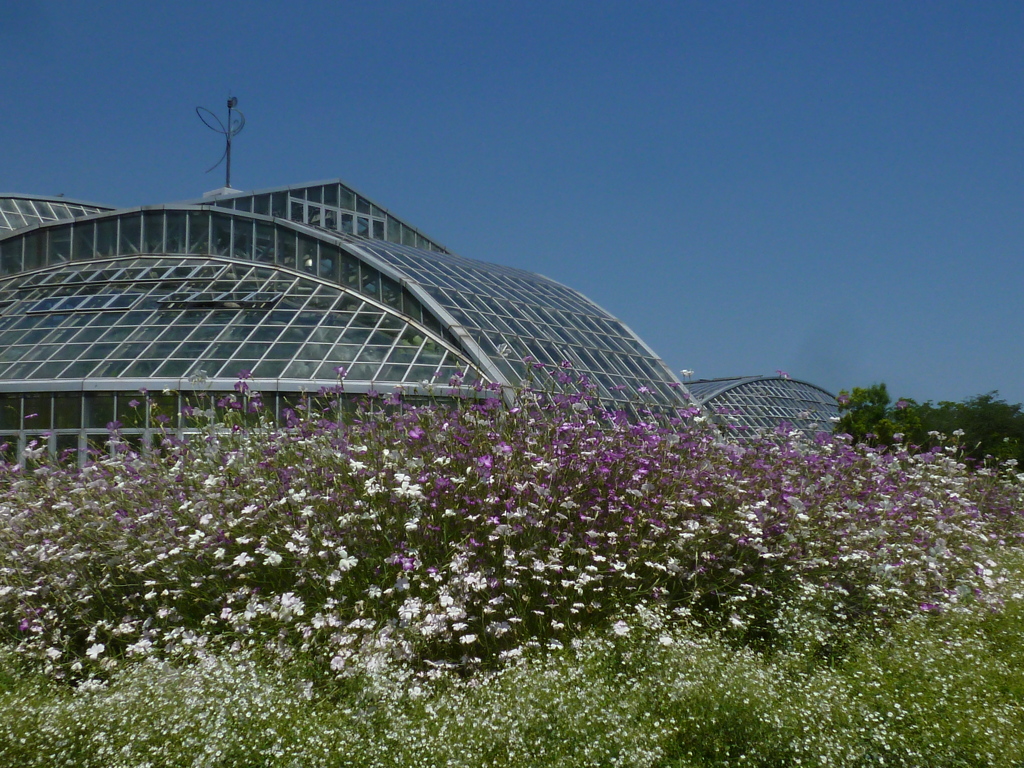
(831, 189)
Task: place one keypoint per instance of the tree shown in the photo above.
(869, 415)
(986, 426)
(990, 425)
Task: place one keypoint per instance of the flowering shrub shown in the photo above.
(463, 536)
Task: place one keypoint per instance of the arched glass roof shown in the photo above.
(485, 316)
(19, 211)
(513, 314)
(156, 321)
(764, 403)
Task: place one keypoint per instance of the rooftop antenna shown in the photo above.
(234, 127)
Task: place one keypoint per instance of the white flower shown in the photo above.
(620, 628)
(346, 562)
(291, 605)
(95, 651)
(272, 558)
(467, 639)
(242, 560)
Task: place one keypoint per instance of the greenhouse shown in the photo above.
(755, 404)
(103, 311)
(114, 315)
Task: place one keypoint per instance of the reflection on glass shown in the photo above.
(59, 249)
(35, 250)
(175, 242)
(242, 244)
(199, 232)
(286, 249)
(307, 255)
(220, 245)
(264, 242)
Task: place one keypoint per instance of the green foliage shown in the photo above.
(868, 414)
(936, 690)
(986, 426)
(990, 425)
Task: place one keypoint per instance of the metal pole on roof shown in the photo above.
(233, 128)
(232, 103)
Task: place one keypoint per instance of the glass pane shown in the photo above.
(297, 212)
(10, 256)
(330, 263)
(199, 232)
(106, 237)
(349, 270)
(154, 232)
(314, 215)
(347, 199)
(220, 244)
(59, 245)
(131, 410)
(35, 250)
(68, 411)
(264, 242)
(307, 255)
(331, 194)
(175, 233)
(362, 226)
(390, 292)
(346, 223)
(261, 204)
(241, 247)
(277, 204)
(286, 248)
(362, 205)
(38, 410)
(370, 280)
(394, 230)
(10, 412)
(130, 238)
(378, 229)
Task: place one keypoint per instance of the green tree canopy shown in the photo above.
(985, 425)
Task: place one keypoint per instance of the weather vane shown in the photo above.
(234, 127)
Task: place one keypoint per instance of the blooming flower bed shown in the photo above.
(444, 541)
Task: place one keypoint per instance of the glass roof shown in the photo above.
(763, 403)
(19, 211)
(330, 205)
(493, 316)
(150, 319)
(513, 314)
